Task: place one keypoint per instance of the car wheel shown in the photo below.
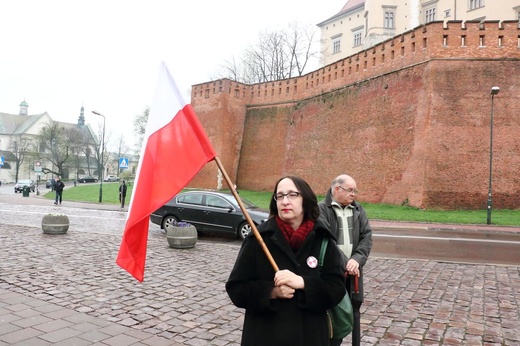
(243, 230)
(168, 221)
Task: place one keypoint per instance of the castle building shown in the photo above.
(408, 118)
(361, 24)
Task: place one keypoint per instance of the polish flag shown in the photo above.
(175, 149)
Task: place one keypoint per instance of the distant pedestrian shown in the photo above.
(122, 193)
(53, 184)
(58, 187)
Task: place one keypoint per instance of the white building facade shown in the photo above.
(361, 24)
(20, 139)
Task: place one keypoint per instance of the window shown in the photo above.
(190, 199)
(336, 46)
(358, 38)
(429, 15)
(217, 202)
(473, 4)
(389, 19)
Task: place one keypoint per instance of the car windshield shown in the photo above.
(24, 181)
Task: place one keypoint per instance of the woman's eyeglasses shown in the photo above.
(290, 195)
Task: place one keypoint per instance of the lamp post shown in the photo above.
(102, 153)
(494, 91)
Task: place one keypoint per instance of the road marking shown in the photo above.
(451, 239)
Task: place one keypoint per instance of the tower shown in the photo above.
(23, 107)
(81, 119)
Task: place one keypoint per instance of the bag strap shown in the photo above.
(324, 243)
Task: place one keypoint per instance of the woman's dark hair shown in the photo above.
(310, 202)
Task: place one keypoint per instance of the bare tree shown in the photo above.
(277, 55)
(100, 151)
(76, 141)
(52, 137)
(300, 42)
(20, 150)
(140, 122)
(121, 150)
(86, 146)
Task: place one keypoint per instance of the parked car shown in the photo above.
(87, 180)
(18, 187)
(48, 184)
(109, 178)
(209, 211)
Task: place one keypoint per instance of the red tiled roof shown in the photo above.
(351, 4)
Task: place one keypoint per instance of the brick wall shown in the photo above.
(408, 119)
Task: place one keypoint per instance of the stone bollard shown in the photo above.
(181, 236)
(55, 223)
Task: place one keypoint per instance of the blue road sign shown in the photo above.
(123, 162)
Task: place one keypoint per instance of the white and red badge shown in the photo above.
(312, 262)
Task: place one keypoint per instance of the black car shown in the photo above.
(18, 187)
(87, 180)
(209, 211)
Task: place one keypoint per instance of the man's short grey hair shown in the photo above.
(339, 180)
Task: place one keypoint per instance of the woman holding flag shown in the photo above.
(288, 306)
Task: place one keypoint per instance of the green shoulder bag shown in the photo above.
(341, 317)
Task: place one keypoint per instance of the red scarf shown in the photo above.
(295, 237)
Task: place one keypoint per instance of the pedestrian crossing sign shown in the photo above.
(123, 162)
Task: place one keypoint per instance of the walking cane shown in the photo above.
(356, 330)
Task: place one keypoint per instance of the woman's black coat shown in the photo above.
(301, 320)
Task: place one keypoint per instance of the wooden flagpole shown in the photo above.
(246, 214)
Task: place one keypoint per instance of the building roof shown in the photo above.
(16, 124)
(350, 6)
(13, 124)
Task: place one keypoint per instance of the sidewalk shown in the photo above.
(67, 290)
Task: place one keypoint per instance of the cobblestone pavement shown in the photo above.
(67, 290)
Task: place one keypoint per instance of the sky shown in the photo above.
(104, 55)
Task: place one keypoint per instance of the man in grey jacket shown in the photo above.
(349, 223)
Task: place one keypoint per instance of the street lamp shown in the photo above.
(102, 153)
(494, 91)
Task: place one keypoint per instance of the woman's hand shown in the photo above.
(283, 292)
(287, 277)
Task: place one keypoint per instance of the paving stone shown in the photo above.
(68, 289)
